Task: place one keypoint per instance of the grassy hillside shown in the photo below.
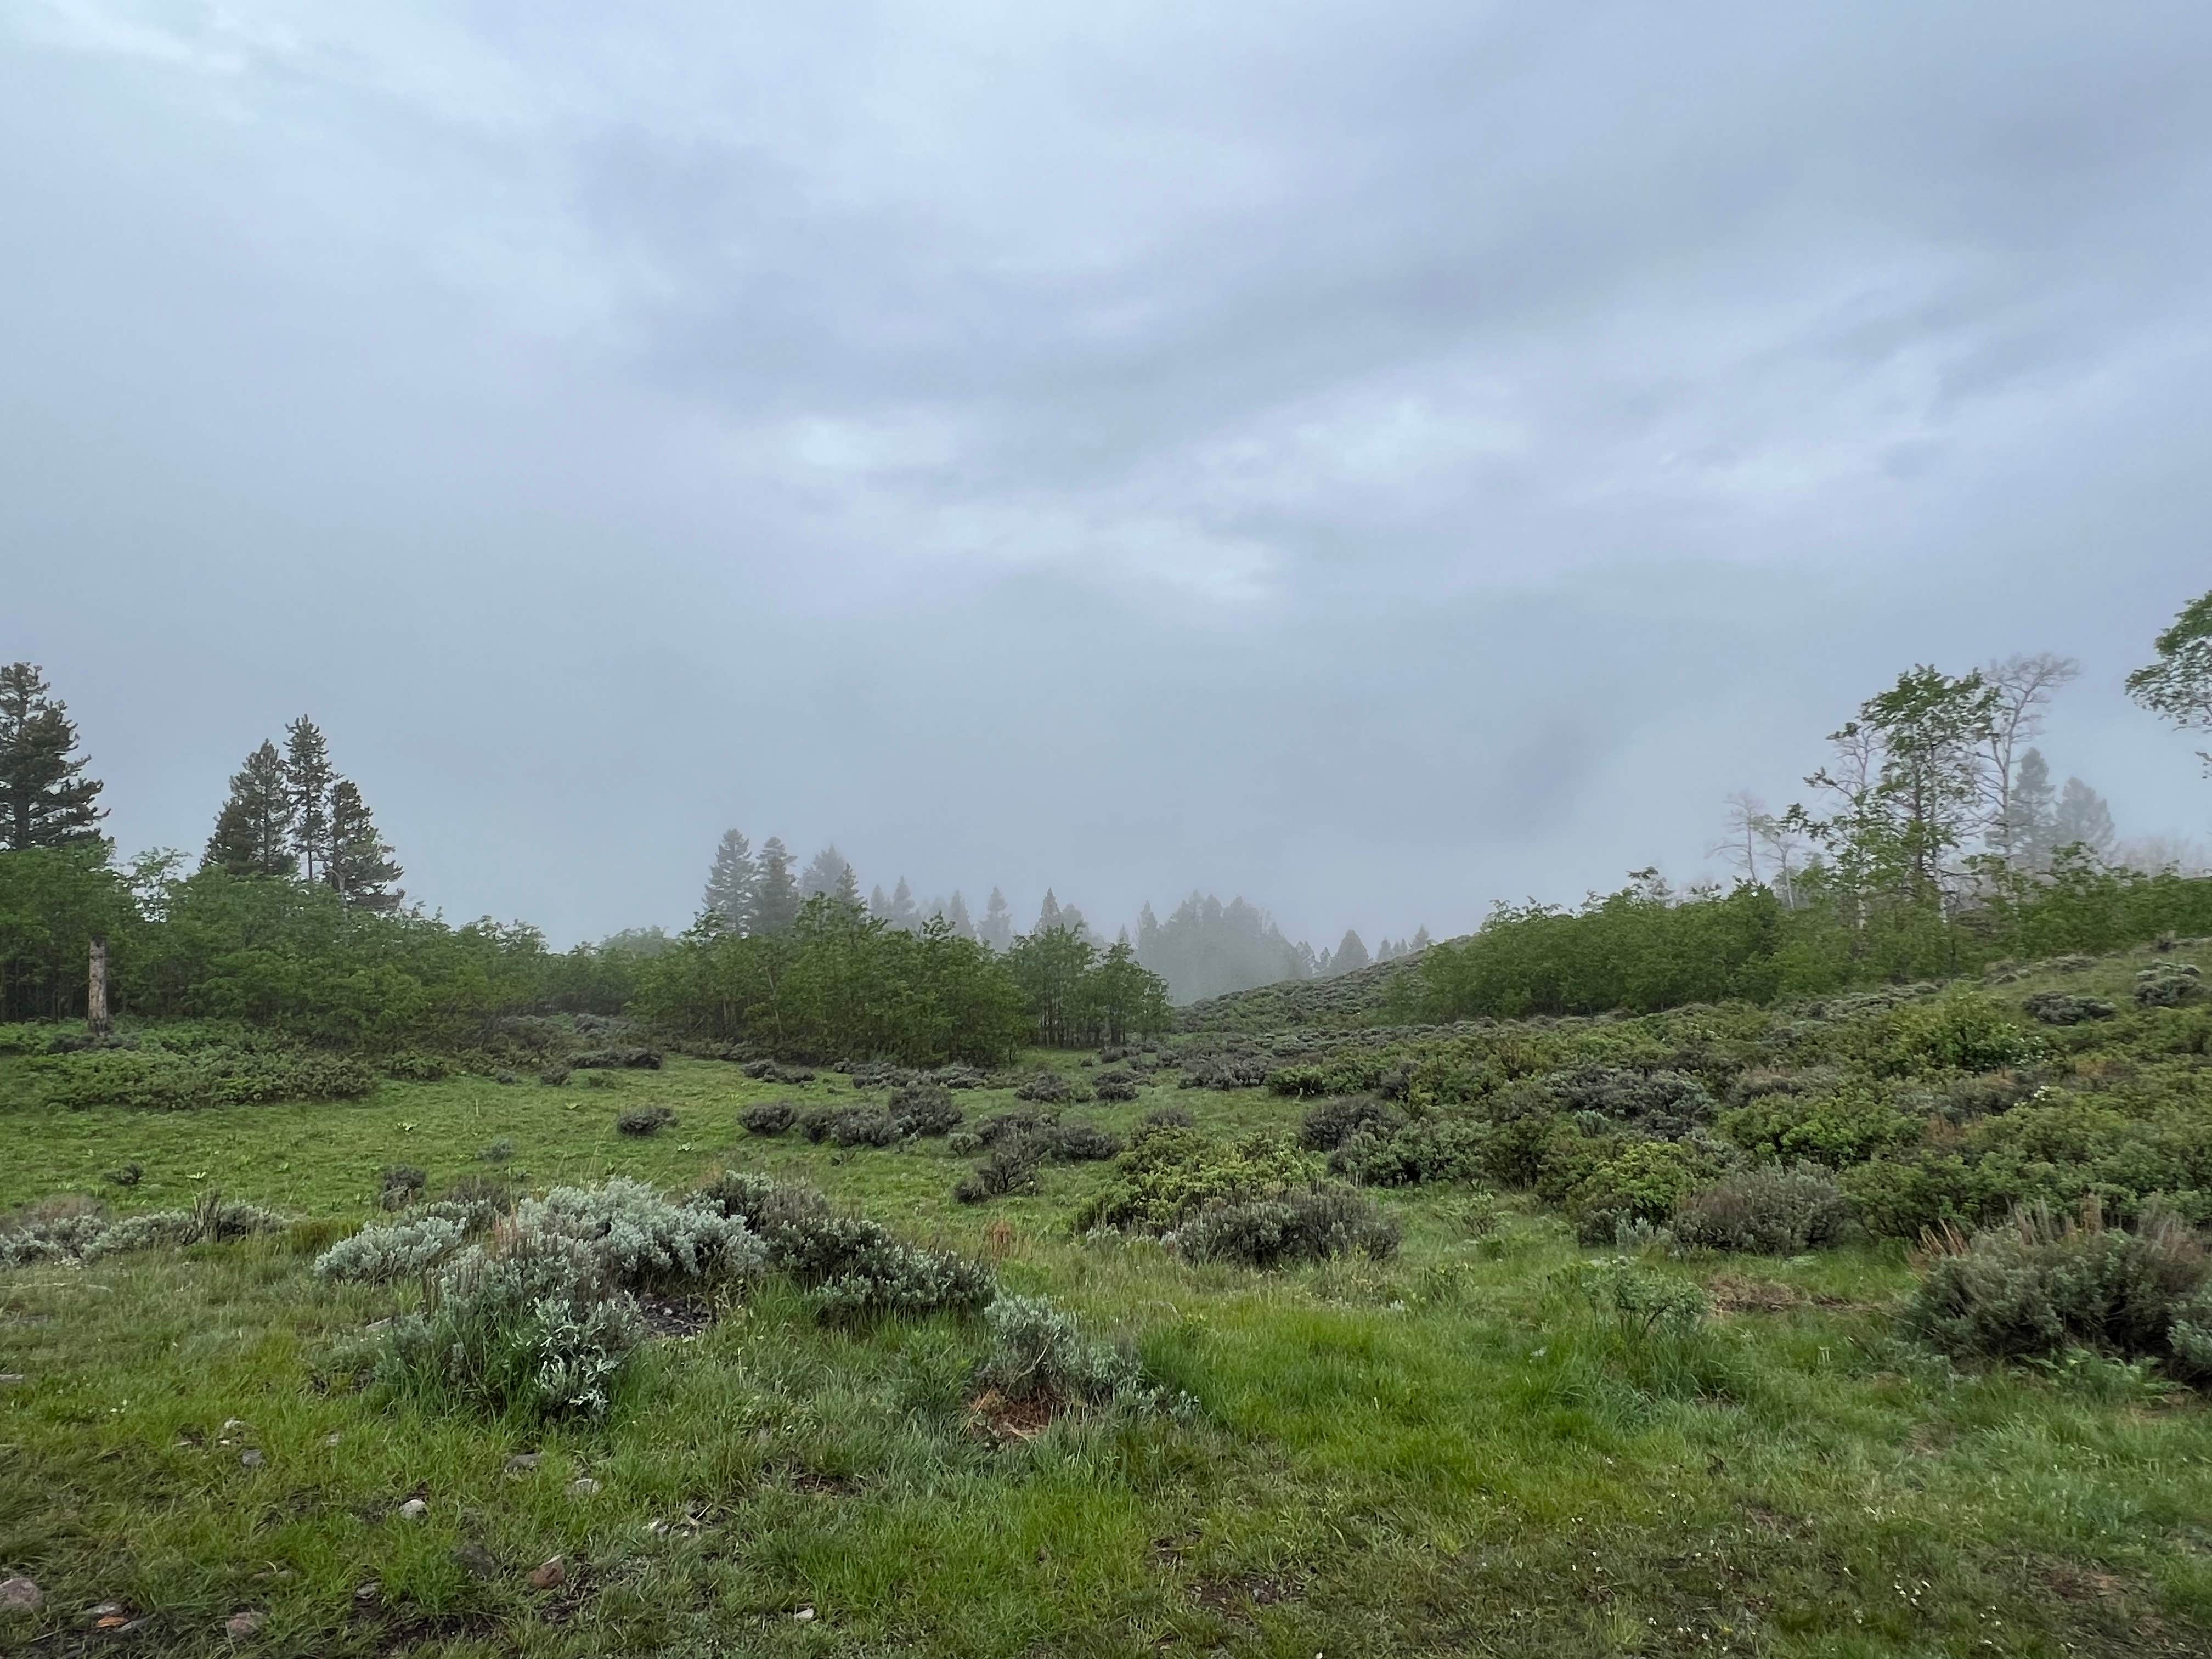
(1549, 1423)
(1349, 999)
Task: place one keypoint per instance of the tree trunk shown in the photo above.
(96, 1019)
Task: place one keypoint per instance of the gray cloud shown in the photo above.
(1376, 463)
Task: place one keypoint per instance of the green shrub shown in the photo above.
(640, 1239)
(1299, 1223)
(1010, 1166)
(644, 1120)
(767, 1117)
(850, 1266)
(1642, 1180)
(1081, 1143)
(1766, 1209)
(2168, 985)
(1330, 1125)
(1038, 1351)
(157, 1079)
(79, 1229)
(1425, 1149)
(1852, 1122)
(1640, 1302)
(1116, 1085)
(923, 1108)
(616, 1059)
(2065, 1008)
(2038, 1285)
(1169, 1173)
(1959, 1032)
(412, 1066)
(1664, 1103)
(401, 1249)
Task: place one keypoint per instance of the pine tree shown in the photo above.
(903, 914)
(1350, 954)
(2082, 819)
(46, 799)
(308, 774)
(253, 832)
(957, 919)
(1047, 915)
(825, 874)
(361, 866)
(847, 890)
(996, 930)
(730, 882)
(879, 902)
(775, 895)
(1420, 942)
(2031, 814)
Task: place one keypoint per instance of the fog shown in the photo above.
(1374, 462)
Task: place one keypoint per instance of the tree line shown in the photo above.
(1931, 842)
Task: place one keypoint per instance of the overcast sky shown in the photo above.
(1375, 458)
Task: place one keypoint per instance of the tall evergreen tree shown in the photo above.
(2031, 814)
(359, 859)
(46, 799)
(730, 882)
(957, 919)
(1420, 942)
(879, 902)
(775, 895)
(1350, 954)
(903, 915)
(847, 890)
(1048, 914)
(826, 874)
(997, 928)
(309, 775)
(253, 832)
(2082, 819)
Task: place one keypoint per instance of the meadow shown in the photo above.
(1457, 1449)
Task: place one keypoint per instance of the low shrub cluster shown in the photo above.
(2168, 984)
(1038, 1351)
(2065, 1008)
(1299, 1223)
(923, 1108)
(2040, 1285)
(644, 1120)
(1169, 1173)
(767, 1117)
(1016, 1144)
(1118, 1083)
(161, 1079)
(849, 1265)
(1047, 1088)
(1765, 1209)
(616, 1059)
(75, 1230)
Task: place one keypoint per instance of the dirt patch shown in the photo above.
(2077, 1582)
(1245, 1591)
(1733, 1293)
(1006, 1419)
(679, 1317)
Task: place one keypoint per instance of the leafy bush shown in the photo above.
(2065, 1008)
(1958, 1032)
(399, 1249)
(1854, 1122)
(1038, 1351)
(616, 1059)
(2167, 985)
(860, 1126)
(767, 1117)
(554, 1075)
(1664, 1103)
(924, 1109)
(411, 1065)
(1010, 1166)
(1119, 1083)
(1021, 1121)
(1640, 1303)
(1642, 1181)
(851, 1267)
(1047, 1087)
(644, 1120)
(1330, 1125)
(156, 1079)
(769, 1071)
(1169, 1173)
(1425, 1149)
(78, 1230)
(1308, 1223)
(1765, 1209)
(2038, 1285)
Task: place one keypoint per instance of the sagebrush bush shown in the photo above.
(1764, 1210)
(2040, 1283)
(850, 1266)
(1423, 1150)
(924, 1109)
(1082, 1143)
(639, 1238)
(767, 1117)
(616, 1059)
(1010, 1166)
(644, 1120)
(1116, 1085)
(1047, 1087)
(78, 1230)
(2168, 985)
(1330, 1125)
(1667, 1104)
(2065, 1008)
(399, 1249)
(158, 1079)
(1022, 1120)
(1302, 1224)
(1039, 1351)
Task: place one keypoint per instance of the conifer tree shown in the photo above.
(996, 930)
(879, 902)
(847, 890)
(1350, 954)
(360, 861)
(775, 895)
(730, 882)
(46, 799)
(826, 873)
(308, 774)
(903, 915)
(2031, 814)
(957, 919)
(1420, 942)
(2082, 819)
(1048, 914)
(253, 832)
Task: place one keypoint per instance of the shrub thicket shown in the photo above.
(1765, 1209)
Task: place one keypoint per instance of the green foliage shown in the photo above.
(1847, 1123)
(2168, 985)
(2038, 1285)
(644, 1120)
(1169, 1173)
(1958, 1032)
(1428, 1148)
(77, 1231)
(46, 799)
(1039, 1351)
(1641, 1181)
(1641, 1304)
(1079, 996)
(1766, 1209)
(852, 1268)
(1314, 1223)
(2178, 684)
(767, 1117)
(159, 1079)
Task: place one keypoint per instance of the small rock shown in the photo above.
(413, 1510)
(367, 1592)
(476, 1560)
(113, 1621)
(233, 1424)
(524, 1464)
(549, 1576)
(21, 1595)
(333, 1437)
(582, 1487)
(6, 1377)
(242, 1625)
(108, 1610)
(805, 1615)
(251, 1460)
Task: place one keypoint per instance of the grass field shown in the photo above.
(1447, 1453)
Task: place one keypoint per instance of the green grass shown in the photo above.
(1446, 1453)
